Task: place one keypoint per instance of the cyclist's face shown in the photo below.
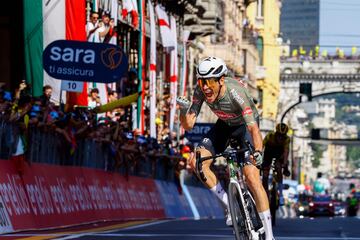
(210, 87)
(280, 136)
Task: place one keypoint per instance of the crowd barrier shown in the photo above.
(41, 145)
(52, 196)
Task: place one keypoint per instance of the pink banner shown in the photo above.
(52, 196)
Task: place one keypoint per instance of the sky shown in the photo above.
(340, 24)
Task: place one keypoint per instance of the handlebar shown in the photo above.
(249, 148)
(199, 159)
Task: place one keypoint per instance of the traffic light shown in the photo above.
(306, 88)
(315, 133)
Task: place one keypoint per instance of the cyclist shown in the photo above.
(276, 146)
(237, 117)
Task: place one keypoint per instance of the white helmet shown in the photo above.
(211, 67)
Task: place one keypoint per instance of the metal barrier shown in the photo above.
(44, 145)
(7, 139)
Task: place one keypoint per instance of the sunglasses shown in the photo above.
(210, 82)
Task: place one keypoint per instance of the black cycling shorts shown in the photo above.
(218, 138)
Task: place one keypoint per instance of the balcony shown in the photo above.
(259, 23)
(260, 72)
(249, 36)
(227, 52)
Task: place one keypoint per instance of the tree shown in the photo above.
(353, 156)
(318, 151)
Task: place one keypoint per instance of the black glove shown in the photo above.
(286, 171)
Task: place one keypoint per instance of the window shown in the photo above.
(260, 48)
(260, 8)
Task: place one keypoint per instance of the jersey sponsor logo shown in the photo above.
(241, 82)
(224, 115)
(247, 111)
(237, 97)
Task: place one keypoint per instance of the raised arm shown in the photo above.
(190, 111)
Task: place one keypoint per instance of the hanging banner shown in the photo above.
(152, 87)
(164, 24)
(85, 61)
(130, 6)
(173, 74)
(186, 34)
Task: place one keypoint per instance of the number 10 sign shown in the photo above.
(72, 86)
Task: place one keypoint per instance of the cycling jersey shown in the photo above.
(274, 147)
(235, 108)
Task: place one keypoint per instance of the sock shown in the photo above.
(221, 194)
(266, 221)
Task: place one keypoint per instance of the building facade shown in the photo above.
(264, 16)
(300, 23)
(233, 40)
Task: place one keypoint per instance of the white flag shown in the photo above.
(165, 31)
(173, 74)
(152, 87)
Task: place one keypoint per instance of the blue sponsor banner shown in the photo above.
(197, 133)
(85, 61)
(175, 204)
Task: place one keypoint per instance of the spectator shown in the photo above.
(112, 96)
(91, 28)
(94, 99)
(45, 98)
(321, 184)
(20, 116)
(105, 26)
(5, 101)
(22, 90)
(130, 84)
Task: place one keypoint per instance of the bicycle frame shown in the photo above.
(245, 202)
(274, 191)
(237, 178)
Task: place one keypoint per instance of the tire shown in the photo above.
(254, 215)
(273, 204)
(237, 213)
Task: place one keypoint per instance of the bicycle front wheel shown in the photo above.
(237, 212)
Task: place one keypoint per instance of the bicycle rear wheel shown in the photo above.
(273, 204)
(237, 213)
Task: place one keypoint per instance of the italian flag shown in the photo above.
(46, 21)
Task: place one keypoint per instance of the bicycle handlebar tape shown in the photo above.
(199, 167)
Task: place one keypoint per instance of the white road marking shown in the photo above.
(208, 236)
(317, 238)
(105, 233)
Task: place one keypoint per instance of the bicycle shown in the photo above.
(274, 194)
(246, 221)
